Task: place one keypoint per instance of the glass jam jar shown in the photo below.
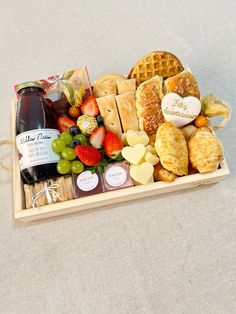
(36, 128)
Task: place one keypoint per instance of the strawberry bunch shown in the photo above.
(106, 146)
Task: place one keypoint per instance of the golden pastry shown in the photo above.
(107, 88)
(205, 150)
(184, 84)
(126, 86)
(172, 149)
(109, 112)
(160, 63)
(127, 111)
(106, 85)
(161, 174)
(109, 77)
(148, 104)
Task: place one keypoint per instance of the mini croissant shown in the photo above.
(172, 149)
(205, 150)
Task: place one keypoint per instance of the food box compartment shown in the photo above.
(103, 199)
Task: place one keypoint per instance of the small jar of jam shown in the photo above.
(36, 128)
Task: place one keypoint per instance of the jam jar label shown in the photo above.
(34, 147)
(115, 176)
(87, 181)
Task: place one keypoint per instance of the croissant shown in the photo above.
(172, 149)
(205, 150)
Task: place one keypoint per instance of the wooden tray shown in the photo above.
(103, 199)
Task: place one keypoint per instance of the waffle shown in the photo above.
(160, 63)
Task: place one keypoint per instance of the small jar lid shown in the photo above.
(29, 84)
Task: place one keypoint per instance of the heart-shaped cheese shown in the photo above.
(133, 154)
(142, 173)
(179, 110)
(149, 157)
(137, 137)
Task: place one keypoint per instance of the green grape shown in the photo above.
(58, 145)
(63, 166)
(77, 166)
(68, 153)
(66, 137)
(81, 137)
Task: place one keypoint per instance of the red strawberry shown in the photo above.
(112, 145)
(64, 123)
(89, 106)
(97, 137)
(89, 155)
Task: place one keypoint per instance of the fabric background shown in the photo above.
(169, 254)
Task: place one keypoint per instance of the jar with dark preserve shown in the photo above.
(36, 128)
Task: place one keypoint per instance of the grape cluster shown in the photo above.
(64, 146)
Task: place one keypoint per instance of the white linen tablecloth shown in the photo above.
(169, 254)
